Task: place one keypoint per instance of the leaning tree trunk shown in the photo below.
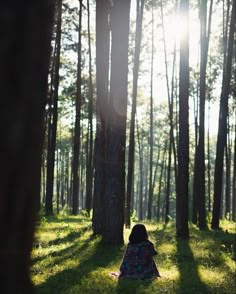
(222, 127)
(116, 135)
(77, 130)
(102, 68)
(130, 176)
(24, 63)
(183, 146)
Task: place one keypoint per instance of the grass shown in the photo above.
(67, 258)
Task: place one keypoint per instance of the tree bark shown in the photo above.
(130, 176)
(222, 127)
(150, 192)
(183, 147)
(234, 179)
(167, 206)
(58, 182)
(116, 135)
(160, 185)
(24, 61)
(77, 129)
(140, 149)
(170, 94)
(228, 171)
(53, 108)
(156, 170)
(102, 68)
(208, 161)
(201, 144)
(89, 175)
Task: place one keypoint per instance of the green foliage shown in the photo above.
(134, 216)
(67, 258)
(84, 213)
(43, 221)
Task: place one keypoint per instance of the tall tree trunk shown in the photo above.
(222, 127)
(140, 152)
(130, 176)
(170, 93)
(222, 196)
(234, 179)
(58, 181)
(77, 129)
(102, 68)
(63, 178)
(68, 180)
(195, 193)
(201, 144)
(116, 136)
(225, 26)
(160, 184)
(199, 177)
(52, 122)
(195, 202)
(24, 64)
(171, 110)
(208, 161)
(183, 147)
(89, 176)
(167, 206)
(199, 209)
(150, 192)
(145, 184)
(156, 169)
(165, 192)
(228, 171)
(43, 175)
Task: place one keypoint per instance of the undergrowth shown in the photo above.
(67, 258)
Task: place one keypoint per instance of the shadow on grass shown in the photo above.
(217, 242)
(97, 256)
(189, 281)
(226, 241)
(129, 286)
(162, 234)
(70, 237)
(213, 241)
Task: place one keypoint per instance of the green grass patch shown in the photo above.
(67, 258)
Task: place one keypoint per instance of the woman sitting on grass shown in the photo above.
(138, 260)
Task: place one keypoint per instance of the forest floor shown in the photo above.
(67, 258)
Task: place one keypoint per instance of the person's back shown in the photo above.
(138, 260)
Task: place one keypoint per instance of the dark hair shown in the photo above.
(138, 234)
